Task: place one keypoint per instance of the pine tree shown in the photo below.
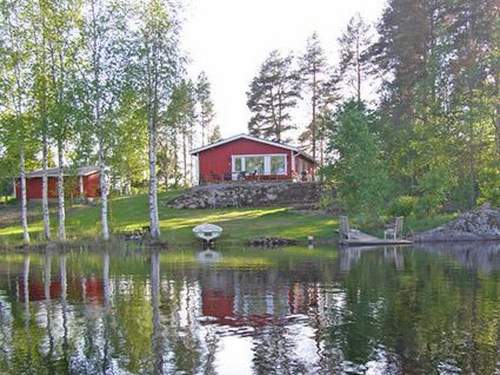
(313, 70)
(206, 113)
(215, 135)
(272, 96)
(181, 117)
(354, 45)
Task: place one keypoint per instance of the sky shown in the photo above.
(229, 40)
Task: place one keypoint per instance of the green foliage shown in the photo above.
(489, 184)
(434, 187)
(440, 63)
(358, 172)
(273, 94)
(404, 205)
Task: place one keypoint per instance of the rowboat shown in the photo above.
(207, 232)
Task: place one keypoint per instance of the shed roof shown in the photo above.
(53, 172)
(255, 139)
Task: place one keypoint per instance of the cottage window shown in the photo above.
(238, 164)
(278, 164)
(259, 164)
(255, 164)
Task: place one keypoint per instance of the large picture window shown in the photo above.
(278, 164)
(255, 164)
(260, 164)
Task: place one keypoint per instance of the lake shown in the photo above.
(127, 310)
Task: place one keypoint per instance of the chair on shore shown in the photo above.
(395, 231)
(345, 231)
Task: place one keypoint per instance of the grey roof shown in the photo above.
(53, 172)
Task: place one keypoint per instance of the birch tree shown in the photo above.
(15, 85)
(41, 96)
(62, 40)
(102, 38)
(156, 70)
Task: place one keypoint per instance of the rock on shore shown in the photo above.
(479, 225)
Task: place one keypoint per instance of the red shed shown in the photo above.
(83, 182)
(244, 157)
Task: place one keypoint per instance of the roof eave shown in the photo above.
(245, 136)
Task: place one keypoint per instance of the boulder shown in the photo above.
(482, 224)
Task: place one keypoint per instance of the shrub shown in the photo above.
(403, 206)
(489, 184)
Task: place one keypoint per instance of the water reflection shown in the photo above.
(484, 256)
(385, 310)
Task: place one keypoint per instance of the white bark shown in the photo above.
(24, 203)
(154, 220)
(103, 181)
(96, 66)
(61, 233)
(153, 76)
(45, 190)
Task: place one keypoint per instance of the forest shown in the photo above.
(405, 122)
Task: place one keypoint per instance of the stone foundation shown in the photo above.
(249, 194)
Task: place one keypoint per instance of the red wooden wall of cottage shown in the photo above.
(91, 185)
(215, 162)
(34, 187)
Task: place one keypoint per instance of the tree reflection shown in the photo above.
(387, 310)
(157, 337)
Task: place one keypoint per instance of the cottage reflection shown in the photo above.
(347, 311)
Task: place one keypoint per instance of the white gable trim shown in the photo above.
(243, 136)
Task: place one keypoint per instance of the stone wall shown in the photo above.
(249, 194)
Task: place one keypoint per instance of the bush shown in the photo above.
(403, 206)
(489, 184)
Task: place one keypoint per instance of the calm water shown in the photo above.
(243, 311)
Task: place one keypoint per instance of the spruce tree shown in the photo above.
(273, 93)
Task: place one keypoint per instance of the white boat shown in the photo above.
(207, 232)
(209, 256)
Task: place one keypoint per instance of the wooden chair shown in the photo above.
(344, 230)
(395, 231)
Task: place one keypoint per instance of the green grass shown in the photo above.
(239, 224)
(129, 213)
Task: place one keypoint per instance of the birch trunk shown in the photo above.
(153, 183)
(45, 188)
(313, 124)
(24, 204)
(96, 66)
(103, 181)
(61, 233)
(184, 156)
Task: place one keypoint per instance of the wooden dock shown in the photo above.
(358, 238)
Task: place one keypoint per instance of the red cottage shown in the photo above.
(84, 182)
(244, 157)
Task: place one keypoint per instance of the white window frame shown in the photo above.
(267, 163)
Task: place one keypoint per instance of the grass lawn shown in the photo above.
(128, 213)
(240, 224)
